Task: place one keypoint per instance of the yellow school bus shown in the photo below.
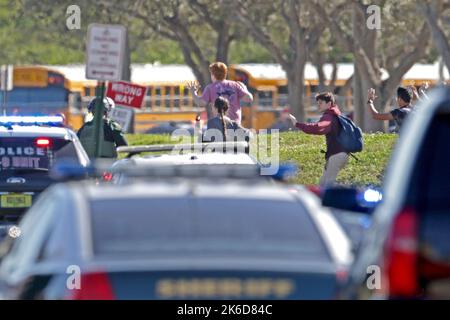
(39, 90)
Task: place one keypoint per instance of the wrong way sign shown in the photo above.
(126, 94)
(105, 52)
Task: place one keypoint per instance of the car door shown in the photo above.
(429, 196)
(17, 266)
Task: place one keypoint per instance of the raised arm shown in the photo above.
(323, 126)
(193, 88)
(248, 97)
(375, 114)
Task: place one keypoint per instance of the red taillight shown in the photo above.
(107, 176)
(432, 270)
(94, 286)
(341, 275)
(315, 189)
(401, 256)
(43, 142)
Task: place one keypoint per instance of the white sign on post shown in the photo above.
(123, 116)
(6, 77)
(105, 51)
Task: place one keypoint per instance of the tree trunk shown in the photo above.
(201, 74)
(200, 70)
(365, 40)
(321, 75)
(223, 44)
(295, 93)
(439, 38)
(358, 99)
(362, 114)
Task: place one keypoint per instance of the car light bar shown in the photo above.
(66, 170)
(239, 146)
(32, 119)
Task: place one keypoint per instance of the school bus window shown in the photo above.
(87, 92)
(148, 99)
(283, 90)
(265, 99)
(314, 89)
(283, 100)
(187, 99)
(157, 97)
(176, 97)
(169, 90)
(165, 96)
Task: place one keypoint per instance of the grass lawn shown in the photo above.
(305, 149)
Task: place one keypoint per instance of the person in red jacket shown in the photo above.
(328, 125)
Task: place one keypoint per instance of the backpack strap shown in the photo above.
(356, 158)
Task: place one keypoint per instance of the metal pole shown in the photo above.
(4, 74)
(98, 119)
(5, 97)
(4, 101)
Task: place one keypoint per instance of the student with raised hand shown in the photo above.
(419, 95)
(233, 91)
(404, 98)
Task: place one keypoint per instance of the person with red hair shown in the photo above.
(233, 91)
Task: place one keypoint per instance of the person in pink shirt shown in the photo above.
(233, 91)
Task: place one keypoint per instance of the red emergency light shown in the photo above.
(43, 142)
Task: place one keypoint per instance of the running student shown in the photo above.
(335, 156)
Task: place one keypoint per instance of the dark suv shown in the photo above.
(27, 152)
(406, 252)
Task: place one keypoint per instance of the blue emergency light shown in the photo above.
(371, 195)
(38, 120)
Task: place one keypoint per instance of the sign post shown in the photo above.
(105, 51)
(6, 82)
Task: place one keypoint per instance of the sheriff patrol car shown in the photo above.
(201, 233)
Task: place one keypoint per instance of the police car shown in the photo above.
(206, 154)
(29, 147)
(177, 235)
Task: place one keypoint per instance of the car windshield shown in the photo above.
(208, 226)
(25, 156)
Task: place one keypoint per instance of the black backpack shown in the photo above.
(350, 136)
